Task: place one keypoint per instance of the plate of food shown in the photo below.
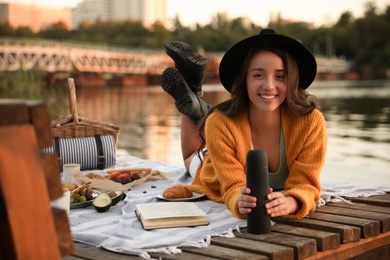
(78, 203)
(80, 196)
(194, 196)
(179, 192)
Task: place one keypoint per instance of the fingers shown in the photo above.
(277, 205)
(280, 205)
(245, 190)
(245, 201)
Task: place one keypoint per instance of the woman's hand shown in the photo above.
(279, 205)
(245, 201)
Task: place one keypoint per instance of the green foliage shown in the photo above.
(20, 84)
(56, 31)
(28, 85)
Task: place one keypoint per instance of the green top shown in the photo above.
(277, 179)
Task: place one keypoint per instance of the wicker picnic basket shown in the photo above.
(73, 126)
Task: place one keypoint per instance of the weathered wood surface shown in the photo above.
(28, 217)
(335, 231)
(384, 219)
(347, 233)
(379, 200)
(29, 180)
(303, 247)
(324, 240)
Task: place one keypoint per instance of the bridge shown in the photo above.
(55, 56)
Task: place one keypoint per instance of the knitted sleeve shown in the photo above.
(306, 149)
(224, 145)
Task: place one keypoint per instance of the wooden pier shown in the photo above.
(360, 230)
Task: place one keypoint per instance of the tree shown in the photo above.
(56, 31)
(6, 29)
(24, 32)
(370, 42)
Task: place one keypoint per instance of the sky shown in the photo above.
(190, 12)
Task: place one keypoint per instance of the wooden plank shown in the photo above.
(381, 253)
(369, 228)
(5, 233)
(378, 200)
(29, 214)
(324, 240)
(40, 119)
(361, 206)
(384, 219)
(65, 241)
(347, 233)
(52, 175)
(303, 247)
(13, 112)
(84, 251)
(35, 112)
(222, 253)
(184, 255)
(349, 250)
(270, 250)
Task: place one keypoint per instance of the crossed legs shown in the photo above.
(184, 84)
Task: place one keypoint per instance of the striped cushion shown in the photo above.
(96, 152)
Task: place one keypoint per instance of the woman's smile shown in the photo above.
(267, 96)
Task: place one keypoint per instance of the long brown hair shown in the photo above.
(298, 101)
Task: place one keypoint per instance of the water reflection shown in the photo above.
(357, 115)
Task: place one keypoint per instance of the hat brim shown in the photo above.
(234, 58)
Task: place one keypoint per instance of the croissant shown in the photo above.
(177, 191)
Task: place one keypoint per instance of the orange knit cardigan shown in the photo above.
(228, 140)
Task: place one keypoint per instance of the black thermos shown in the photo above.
(257, 180)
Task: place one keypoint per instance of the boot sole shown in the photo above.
(189, 64)
(174, 84)
(181, 51)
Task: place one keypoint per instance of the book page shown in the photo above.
(169, 209)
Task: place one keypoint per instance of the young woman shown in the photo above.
(267, 76)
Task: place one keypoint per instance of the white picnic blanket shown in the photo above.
(119, 229)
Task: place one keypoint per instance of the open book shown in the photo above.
(170, 214)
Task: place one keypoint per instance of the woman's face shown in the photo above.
(266, 81)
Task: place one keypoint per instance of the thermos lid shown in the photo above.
(256, 159)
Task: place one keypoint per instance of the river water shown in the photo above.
(357, 115)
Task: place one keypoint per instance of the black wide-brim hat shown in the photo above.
(234, 58)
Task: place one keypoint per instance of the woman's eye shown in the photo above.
(258, 75)
(281, 76)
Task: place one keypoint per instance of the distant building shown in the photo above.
(35, 17)
(146, 11)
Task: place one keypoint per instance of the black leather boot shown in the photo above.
(186, 101)
(191, 65)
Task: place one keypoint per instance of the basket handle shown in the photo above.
(73, 100)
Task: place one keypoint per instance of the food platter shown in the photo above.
(84, 204)
(195, 196)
